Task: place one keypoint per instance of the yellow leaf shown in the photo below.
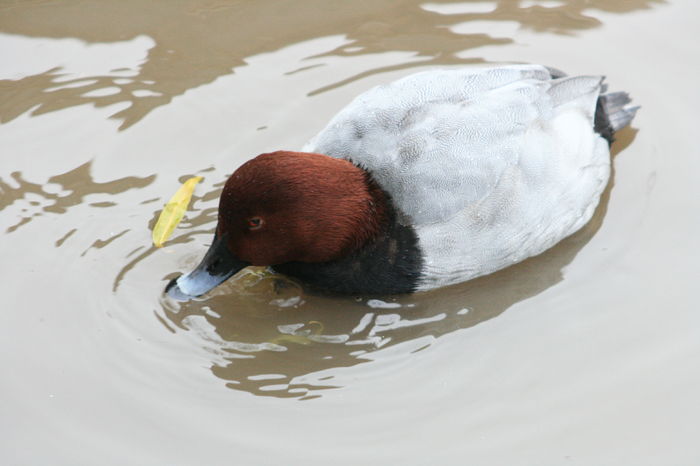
(298, 339)
(319, 331)
(174, 211)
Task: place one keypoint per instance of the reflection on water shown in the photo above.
(197, 42)
(60, 194)
(269, 338)
(285, 343)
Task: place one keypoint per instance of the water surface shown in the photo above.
(586, 354)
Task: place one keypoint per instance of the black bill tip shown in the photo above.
(217, 266)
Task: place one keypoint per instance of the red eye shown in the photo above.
(255, 223)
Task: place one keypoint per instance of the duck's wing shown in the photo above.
(441, 141)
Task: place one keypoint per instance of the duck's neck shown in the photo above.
(387, 261)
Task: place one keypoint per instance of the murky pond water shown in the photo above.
(587, 354)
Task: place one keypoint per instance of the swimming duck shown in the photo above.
(434, 179)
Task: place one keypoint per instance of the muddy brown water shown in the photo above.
(587, 354)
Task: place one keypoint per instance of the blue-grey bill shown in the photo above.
(217, 266)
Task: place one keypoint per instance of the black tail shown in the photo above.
(613, 113)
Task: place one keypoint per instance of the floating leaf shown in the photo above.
(319, 331)
(174, 211)
(300, 339)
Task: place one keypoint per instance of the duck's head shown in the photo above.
(286, 207)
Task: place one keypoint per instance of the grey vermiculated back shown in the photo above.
(425, 137)
(489, 166)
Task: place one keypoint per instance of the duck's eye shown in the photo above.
(254, 223)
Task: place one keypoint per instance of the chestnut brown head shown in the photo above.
(288, 207)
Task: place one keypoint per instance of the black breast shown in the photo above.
(390, 264)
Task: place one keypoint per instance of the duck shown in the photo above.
(437, 178)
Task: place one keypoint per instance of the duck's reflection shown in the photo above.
(269, 338)
(266, 341)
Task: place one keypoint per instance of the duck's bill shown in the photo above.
(216, 267)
